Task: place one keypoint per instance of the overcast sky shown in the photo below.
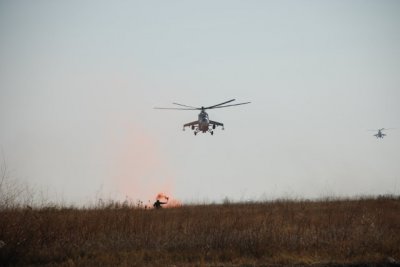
(79, 80)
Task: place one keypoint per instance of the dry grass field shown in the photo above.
(332, 232)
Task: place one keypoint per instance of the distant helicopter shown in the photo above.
(380, 134)
(203, 123)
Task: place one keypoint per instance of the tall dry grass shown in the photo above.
(364, 230)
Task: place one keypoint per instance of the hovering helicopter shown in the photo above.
(203, 123)
(380, 134)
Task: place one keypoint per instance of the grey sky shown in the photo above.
(79, 79)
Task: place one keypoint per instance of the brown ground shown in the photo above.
(362, 232)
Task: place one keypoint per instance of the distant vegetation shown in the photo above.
(279, 232)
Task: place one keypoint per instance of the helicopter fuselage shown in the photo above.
(204, 121)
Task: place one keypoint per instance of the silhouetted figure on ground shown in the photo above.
(158, 204)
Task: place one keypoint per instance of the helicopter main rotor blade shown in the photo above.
(381, 129)
(233, 105)
(213, 106)
(185, 105)
(177, 108)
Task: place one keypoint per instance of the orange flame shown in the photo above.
(170, 202)
(162, 196)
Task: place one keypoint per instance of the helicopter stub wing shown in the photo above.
(216, 123)
(193, 123)
(380, 135)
